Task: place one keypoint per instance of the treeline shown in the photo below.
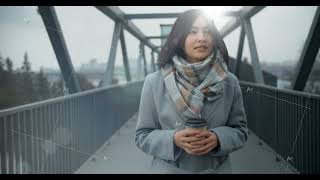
(22, 86)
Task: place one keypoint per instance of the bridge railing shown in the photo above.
(59, 135)
(286, 120)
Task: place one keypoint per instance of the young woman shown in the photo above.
(191, 114)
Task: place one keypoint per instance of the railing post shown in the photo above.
(143, 56)
(152, 62)
(112, 55)
(240, 50)
(139, 65)
(124, 55)
(54, 31)
(308, 54)
(253, 52)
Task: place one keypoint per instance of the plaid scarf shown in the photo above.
(189, 84)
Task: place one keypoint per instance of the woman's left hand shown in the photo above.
(209, 142)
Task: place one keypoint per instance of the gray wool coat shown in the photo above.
(158, 120)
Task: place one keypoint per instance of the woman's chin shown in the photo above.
(201, 58)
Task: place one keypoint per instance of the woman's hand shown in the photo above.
(184, 138)
(196, 142)
(209, 141)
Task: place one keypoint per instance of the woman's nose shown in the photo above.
(201, 37)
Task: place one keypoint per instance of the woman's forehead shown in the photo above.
(200, 22)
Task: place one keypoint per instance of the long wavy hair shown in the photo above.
(180, 30)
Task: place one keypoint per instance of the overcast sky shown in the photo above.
(279, 32)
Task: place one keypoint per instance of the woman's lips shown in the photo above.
(201, 47)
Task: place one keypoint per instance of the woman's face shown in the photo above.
(199, 42)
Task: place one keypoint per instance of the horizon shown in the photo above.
(77, 68)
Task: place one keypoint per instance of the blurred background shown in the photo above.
(29, 70)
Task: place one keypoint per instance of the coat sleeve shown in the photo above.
(149, 136)
(234, 134)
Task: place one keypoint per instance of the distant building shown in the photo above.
(92, 67)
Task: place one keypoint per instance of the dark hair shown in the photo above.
(180, 29)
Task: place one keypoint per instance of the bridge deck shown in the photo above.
(120, 155)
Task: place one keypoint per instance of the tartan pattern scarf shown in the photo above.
(189, 84)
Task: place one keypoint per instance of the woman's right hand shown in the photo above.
(184, 137)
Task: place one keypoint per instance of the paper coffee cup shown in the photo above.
(200, 124)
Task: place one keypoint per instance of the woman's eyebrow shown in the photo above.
(196, 27)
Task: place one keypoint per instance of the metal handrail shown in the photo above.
(60, 99)
(289, 91)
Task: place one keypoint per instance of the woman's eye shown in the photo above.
(193, 32)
